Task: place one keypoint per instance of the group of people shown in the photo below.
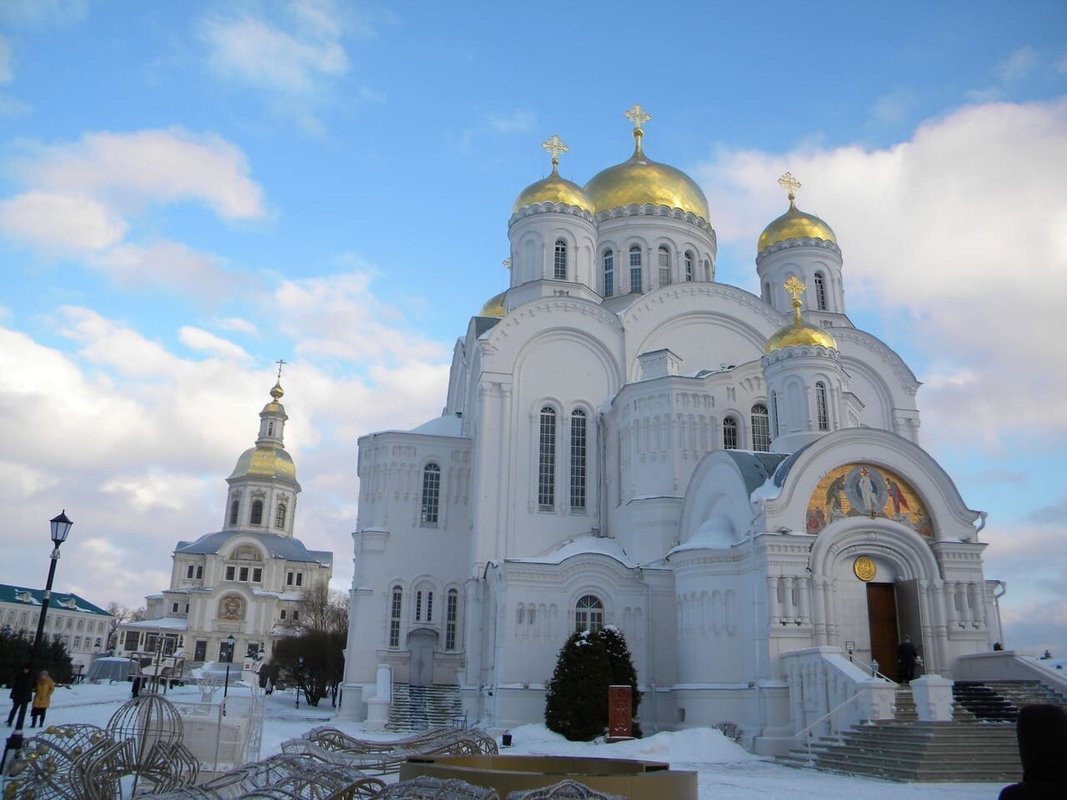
(26, 688)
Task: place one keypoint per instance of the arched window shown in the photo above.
(707, 269)
(578, 460)
(822, 409)
(688, 263)
(546, 466)
(270, 428)
(761, 431)
(664, 266)
(820, 291)
(431, 493)
(394, 616)
(635, 269)
(257, 512)
(729, 434)
(609, 273)
(279, 516)
(767, 292)
(234, 507)
(588, 614)
(418, 606)
(560, 272)
(451, 617)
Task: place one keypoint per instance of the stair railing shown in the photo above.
(825, 717)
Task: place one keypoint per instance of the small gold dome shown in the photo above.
(494, 306)
(795, 224)
(795, 335)
(553, 189)
(265, 461)
(640, 181)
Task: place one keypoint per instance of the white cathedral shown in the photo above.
(734, 481)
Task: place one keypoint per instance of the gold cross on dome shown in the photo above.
(555, 146)
(790, 184)
(507, 263)
(795, 286)
(281, 363)
(637, 116)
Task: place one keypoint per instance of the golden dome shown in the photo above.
(265, 461)
(795, 224)
(795, 335)
(553, 189)
(640, 181)
(494, 306)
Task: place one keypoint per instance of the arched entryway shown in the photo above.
(421, 645)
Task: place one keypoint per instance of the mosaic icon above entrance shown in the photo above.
(862, 490)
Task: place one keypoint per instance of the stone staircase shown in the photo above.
(977, 746)
(416, 708)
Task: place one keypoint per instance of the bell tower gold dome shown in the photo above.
(553, 189)
(640, 181)
(798, 333)
(794, 223)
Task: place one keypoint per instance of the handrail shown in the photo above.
(872, 668)
(824, 717)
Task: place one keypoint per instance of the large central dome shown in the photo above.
(640, 181)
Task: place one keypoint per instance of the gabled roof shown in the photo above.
(60, 601)
(286, 547)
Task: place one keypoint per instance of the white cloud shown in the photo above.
(239, 325)
(165, 264)
(58, 223)
(1018, 65)
(964, 227)
(199, 339)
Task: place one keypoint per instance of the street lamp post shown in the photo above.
(60, 529)
(230, 642)
(299, 678)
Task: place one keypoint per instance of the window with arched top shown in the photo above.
(707, 269)
(664, 256)
(761, 430)
(729, 433)
(234, 508)
(775, 414)
(560, 261)
(279, 515)
(546, 460)
(431, 494)
(418, 606)
(687, 262)
(578, 460)
(609, 273)
(257, 512)
(588, 613)
(451, 619)
(395, 606)
(822, 407)
(635, 269)
(820, 291)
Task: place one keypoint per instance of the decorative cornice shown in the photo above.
(649, 210)
(788, 244)
(551, 208)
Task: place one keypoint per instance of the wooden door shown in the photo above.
(421, 646)
(882, 617)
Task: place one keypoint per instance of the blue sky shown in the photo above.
(191, 191)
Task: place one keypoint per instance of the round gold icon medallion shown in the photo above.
(864, 568)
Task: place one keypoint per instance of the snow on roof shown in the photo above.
(287, 547)
(581, 545)
(441, 426)
(168, 623)
(717, 533)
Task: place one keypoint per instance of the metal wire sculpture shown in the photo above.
(564, 790)
(426, 787)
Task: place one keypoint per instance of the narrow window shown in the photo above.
(279, 516)
(199, 572)
(777, 417)
(578, 461)
(450, 619)
(546, 467)
(394, 618)
(761, 432)
(296, 615)
(588, 614)
(431, 493)
(822, 411)
(664, 266)
(257, 575)
(257, 512)
(270, 428)
(707, 269)
(820, 291)
(609, 273)
(688, 265)
(189, 571)
(174, 608)
(418, 606)
(230, 572)
(288, 579)
(429, 606)
(300, 579)
(282, 614)
(767, 292)
(234, 506)
(635, 269)
(729, 434)
(560, 272)
(243, 574)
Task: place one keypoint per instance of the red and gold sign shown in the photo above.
(862, 490)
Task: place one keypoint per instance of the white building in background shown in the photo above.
(246, 580)
(81, 625)
(734, 480)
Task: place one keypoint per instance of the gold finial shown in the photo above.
(281, 363)
(795, 287)
(555, 146)
(637, 116)
(276, 391)
(507, 263)
(790, 184)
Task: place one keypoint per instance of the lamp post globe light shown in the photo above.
(230, 642)
(60, 529)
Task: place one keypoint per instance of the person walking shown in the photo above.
(906, 658)
(1042, 734)
(42, 696)
(21, 693)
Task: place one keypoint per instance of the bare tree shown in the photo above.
(120, 614)
(324, 610)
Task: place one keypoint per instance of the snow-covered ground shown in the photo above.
(727, 772)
